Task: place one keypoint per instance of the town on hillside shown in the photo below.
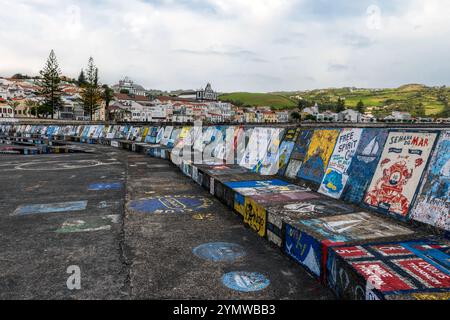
(52, 95)
(131, 102)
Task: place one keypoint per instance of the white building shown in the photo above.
(327, 116)
(207, 94)
(6, 111)
(349, 115)
(399, 116)
(128, 85)
(282, 116)
(314, 111)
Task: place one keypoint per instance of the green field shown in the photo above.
(260, 99)
(417, 99)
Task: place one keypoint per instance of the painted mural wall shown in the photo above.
(397, 177)
(336, 175)
(319, 152)
(298, 153)
(364, 164)
(257, 147)
(433, 203)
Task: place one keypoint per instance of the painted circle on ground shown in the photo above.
(61, 165)
(219, 251)
(245, 281)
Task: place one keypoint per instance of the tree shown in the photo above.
(296, 116)
(340, 106)
(32, 107)
(107, 94)
(50, 84)
(360, 107)
(91, 95)
(81, 79)
(14, 105)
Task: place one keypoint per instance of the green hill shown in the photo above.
(417, 99)
(260, 99)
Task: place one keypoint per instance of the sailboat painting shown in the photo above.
(304, 249)
(336, 175)
(364, 163)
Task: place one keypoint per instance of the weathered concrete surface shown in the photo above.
(33, 257)
(143, 255)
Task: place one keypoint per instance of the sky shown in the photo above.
(237, 45)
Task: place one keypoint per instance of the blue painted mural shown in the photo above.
(284, 154)
(303, 248)
(256, 184)
(364, 163)
(319, 152)
(170, 204)
(105, 186)
(245, 281)
(50, 208)
(302, 145)
(219, 251)
(433, 203)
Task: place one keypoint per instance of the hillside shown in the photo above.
(278, 101)
(417, 99)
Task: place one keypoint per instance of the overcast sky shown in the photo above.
(237, 45)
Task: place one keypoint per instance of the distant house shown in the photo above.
(282, 116)
(314, 111)
(327, 116)
(349, 115)
(399, 116)
(128, 85)
(6, 111)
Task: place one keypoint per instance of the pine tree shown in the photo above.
(81, 78)
(91, 94)
(50, 85)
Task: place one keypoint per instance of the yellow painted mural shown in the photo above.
(319, 152)
(255, 216)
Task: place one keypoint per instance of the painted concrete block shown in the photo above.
(307, 241)
(413, 270)
(292, 212)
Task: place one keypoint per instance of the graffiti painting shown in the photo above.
(364, 163)
(319, 152)
(355, 226)
(336, 175)
(392, 270)
(292, 169)
(255, 216)
(302, 145)
(304, 249)
(433, 203)
(170, 204)
(403, 161)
